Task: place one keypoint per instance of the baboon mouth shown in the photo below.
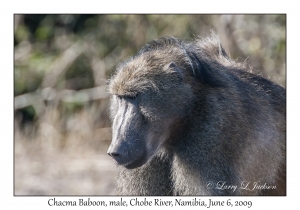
(135, 163)
(130, 166)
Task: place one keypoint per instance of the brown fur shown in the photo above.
(185, 116)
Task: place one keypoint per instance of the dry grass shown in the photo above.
(48, 162)
(40, 171)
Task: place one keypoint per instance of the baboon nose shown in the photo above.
(118, 157)
(113, 154)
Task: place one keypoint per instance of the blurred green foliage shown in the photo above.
(41, 40)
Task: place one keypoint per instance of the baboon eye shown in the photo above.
(129, 97)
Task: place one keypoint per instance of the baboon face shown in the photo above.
(147, 101)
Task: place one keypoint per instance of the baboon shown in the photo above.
(188, 120)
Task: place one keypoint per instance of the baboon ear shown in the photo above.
(175, 69)
(206, 72)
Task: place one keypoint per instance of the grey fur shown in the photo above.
(186, 116)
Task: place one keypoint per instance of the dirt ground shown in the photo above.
(41, 170)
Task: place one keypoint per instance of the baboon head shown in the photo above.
(150, 93)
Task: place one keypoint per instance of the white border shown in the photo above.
(8, 201)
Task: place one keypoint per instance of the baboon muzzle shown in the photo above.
(127, 156)
(115, 152)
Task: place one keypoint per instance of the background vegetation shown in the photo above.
(61, 65)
